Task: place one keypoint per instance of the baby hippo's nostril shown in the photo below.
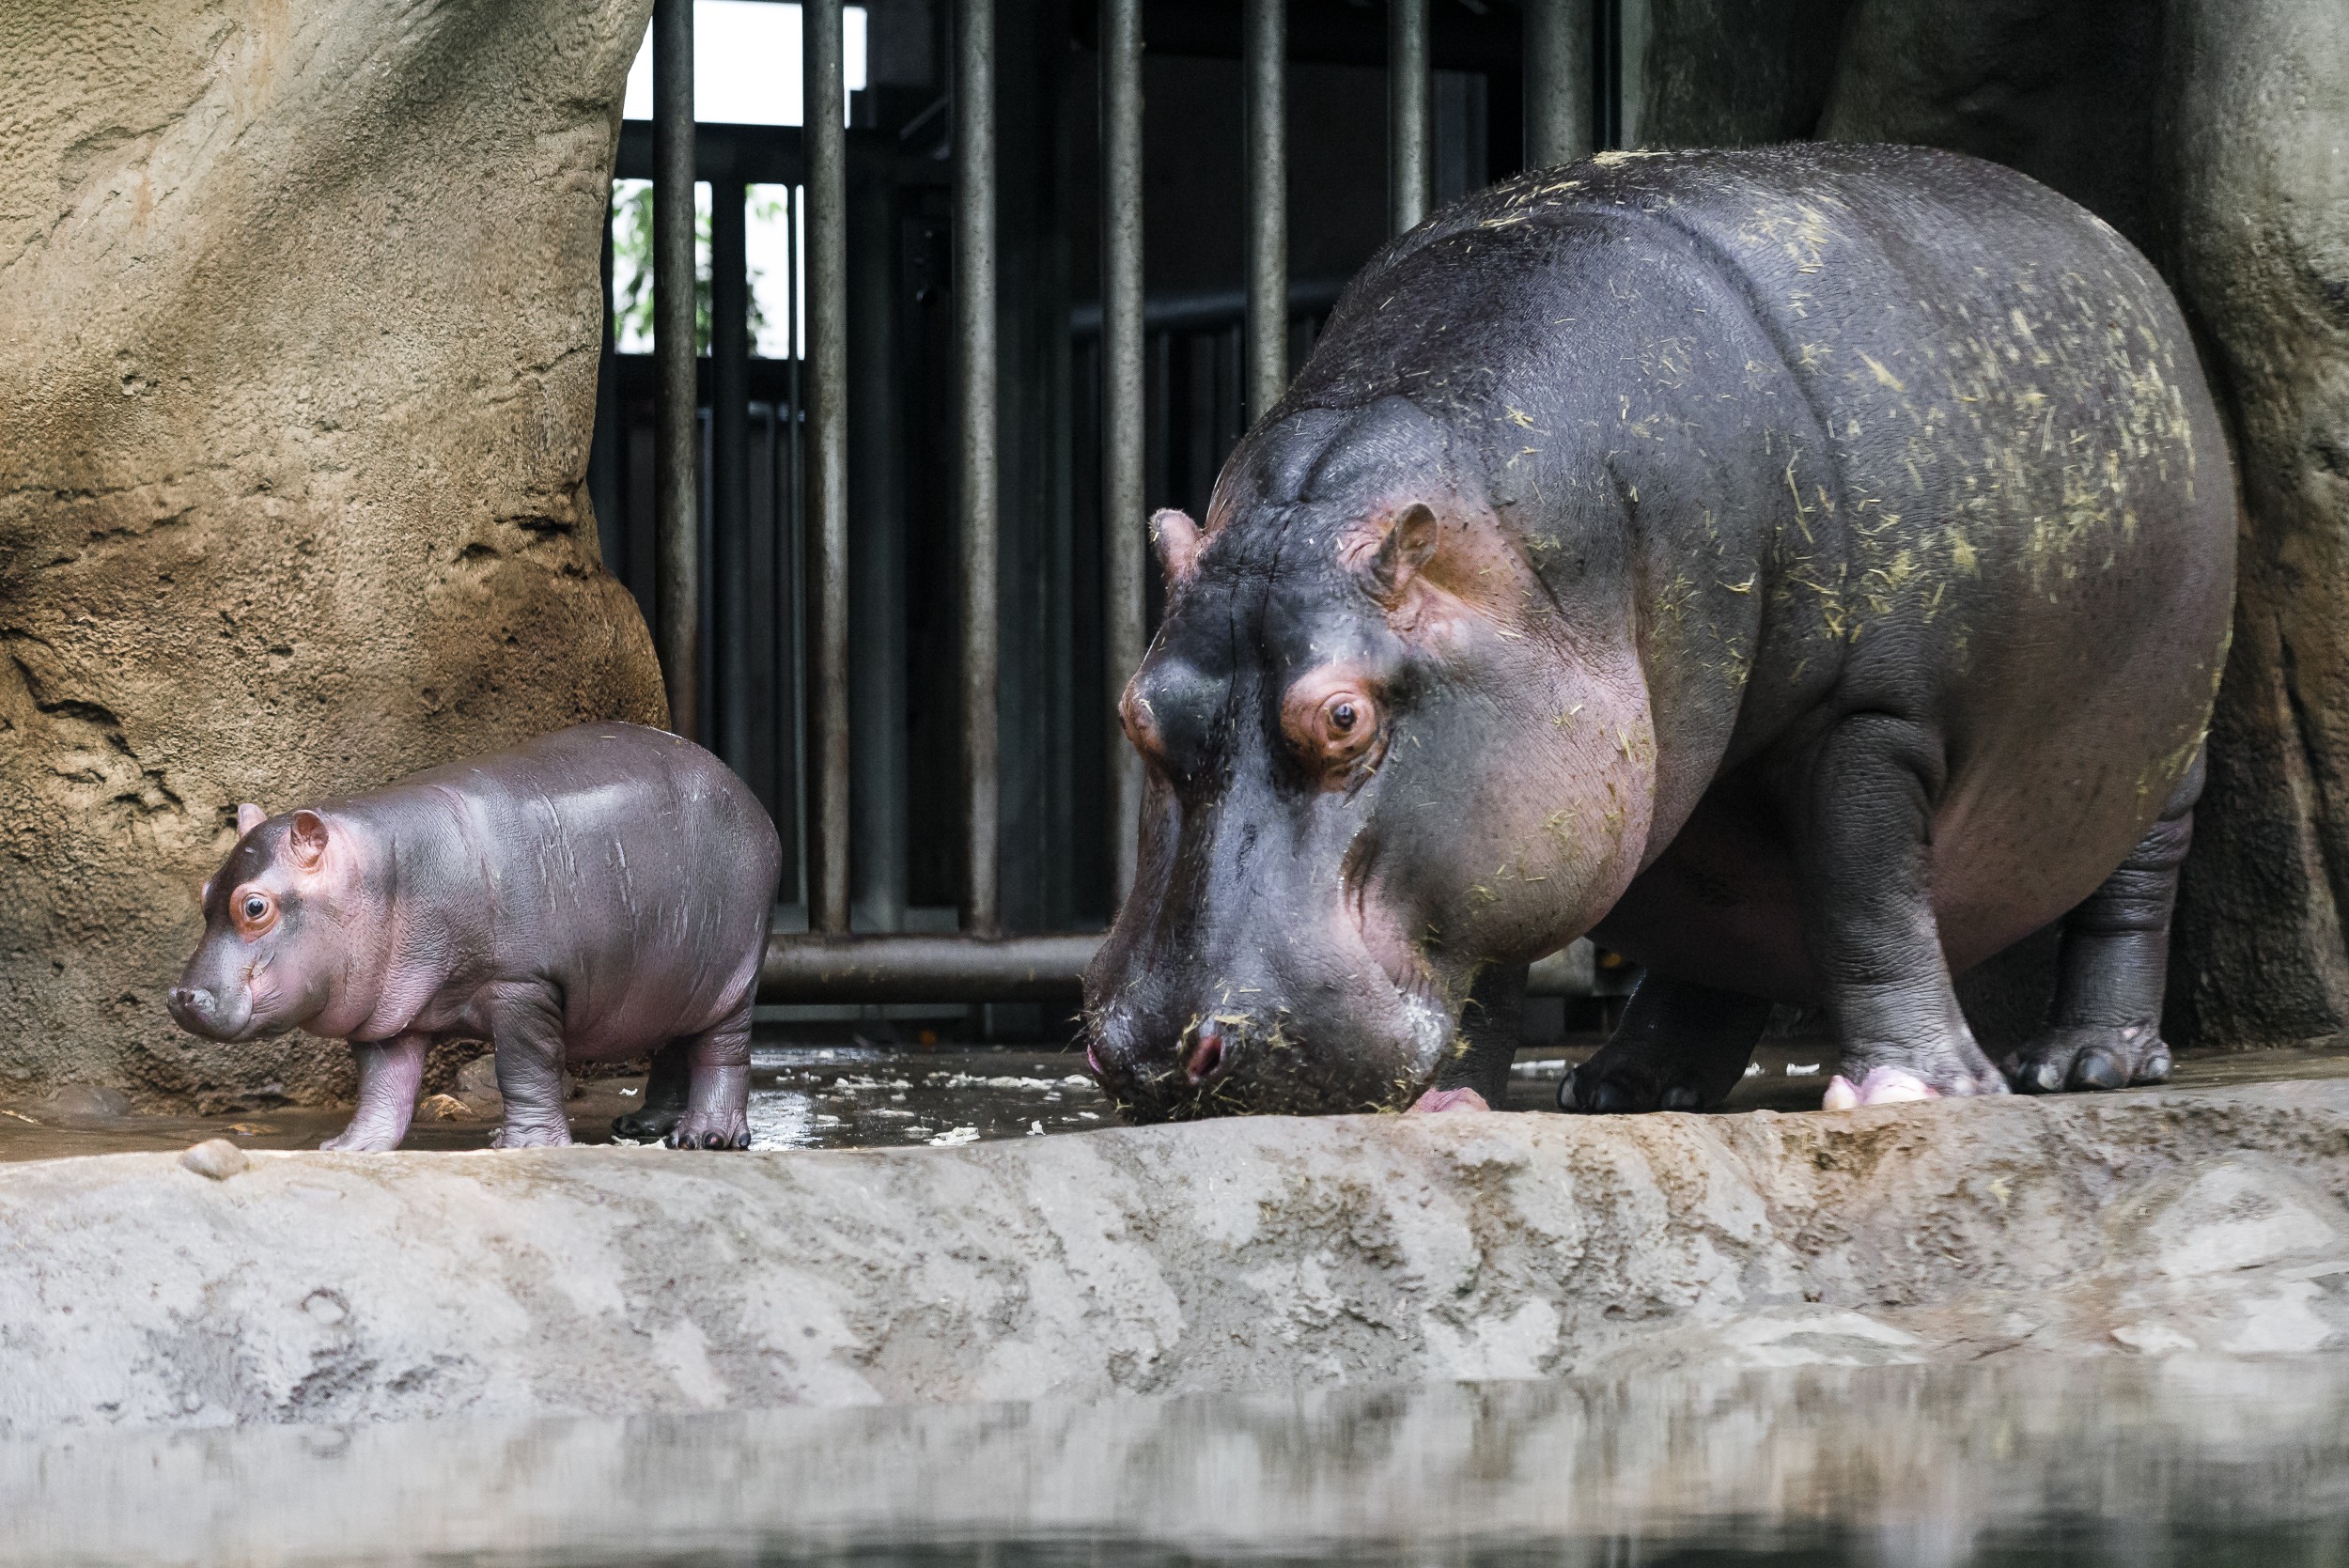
(184, 999)
(1207, 1051)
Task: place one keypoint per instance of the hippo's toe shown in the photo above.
(710, 1131)
(2089, 1056)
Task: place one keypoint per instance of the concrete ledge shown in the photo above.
(1232, 1255)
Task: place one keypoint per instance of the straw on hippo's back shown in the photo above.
(588, 895)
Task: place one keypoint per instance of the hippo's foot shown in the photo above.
(2089, 1056)
(1680, 1046)
(532, 1135)
(648, 1125)
(1954, 1073)
(710, 1130)
(1436, 1101)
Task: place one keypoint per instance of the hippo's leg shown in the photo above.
(718, 1104)
(390, 1073)
(664, 1095)
(1866, 880)
(526, 1025)
(2103, 1029)
(1476, 1076)
(1680, 1046)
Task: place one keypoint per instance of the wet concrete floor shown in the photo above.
(866, 1097)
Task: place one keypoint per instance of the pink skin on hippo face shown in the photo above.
(597, 894)
(1319, 887)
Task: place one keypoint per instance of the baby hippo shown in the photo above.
(587, 896)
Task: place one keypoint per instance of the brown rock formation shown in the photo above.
(299, 321)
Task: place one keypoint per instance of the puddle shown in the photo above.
(865, 1097)
(2110, 1461)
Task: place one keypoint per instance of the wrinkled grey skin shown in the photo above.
(1806, 568)
(586, 896)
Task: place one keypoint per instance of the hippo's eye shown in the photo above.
(255, 911)
(1332, 721)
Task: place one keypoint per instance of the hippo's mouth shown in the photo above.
(1228, 1064)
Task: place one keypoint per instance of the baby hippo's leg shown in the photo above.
(390, 1073)
(664, 1095)
(526, 1021)
(717, 1102)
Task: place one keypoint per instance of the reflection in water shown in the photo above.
(2014, 1462)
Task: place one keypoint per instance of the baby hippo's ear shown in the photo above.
(249, 816)
(307, 842)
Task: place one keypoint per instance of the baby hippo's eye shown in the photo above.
(255, 907)
(255, 911)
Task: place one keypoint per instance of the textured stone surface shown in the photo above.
(1736, 72)
(1224, 1255)
(2258, 179)
(299, 321)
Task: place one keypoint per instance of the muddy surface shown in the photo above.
(876, 1096)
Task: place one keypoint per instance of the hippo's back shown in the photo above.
(629, 863)
(1956, 421)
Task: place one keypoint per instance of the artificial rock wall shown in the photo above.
(2214, 133)
(299, 327)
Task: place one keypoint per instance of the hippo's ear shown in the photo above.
(1411, 542)
(249, 816)
(307, 842)
(1177, 539)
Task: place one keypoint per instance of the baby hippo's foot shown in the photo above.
(545, 1134)
(1435, 1101)
(364, 1138)
(711, 1129)
(2090, 1057)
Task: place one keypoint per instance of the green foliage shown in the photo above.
(632, 257)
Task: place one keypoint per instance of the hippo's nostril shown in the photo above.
(1206, 1054)
(185, 1000)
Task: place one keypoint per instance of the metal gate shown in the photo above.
(756, 572)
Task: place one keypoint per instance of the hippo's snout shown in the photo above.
(200, 1010)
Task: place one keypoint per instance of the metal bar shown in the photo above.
(877, 554)
(1209, 309)
(944, 967)
(1559, 121)
(1410, 161)
(828, 459)
(975, 328)
(1123, 435)
(729, 470)
(676, 457)
(1264, 26)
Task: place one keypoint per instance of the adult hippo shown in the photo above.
(1806, 568)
